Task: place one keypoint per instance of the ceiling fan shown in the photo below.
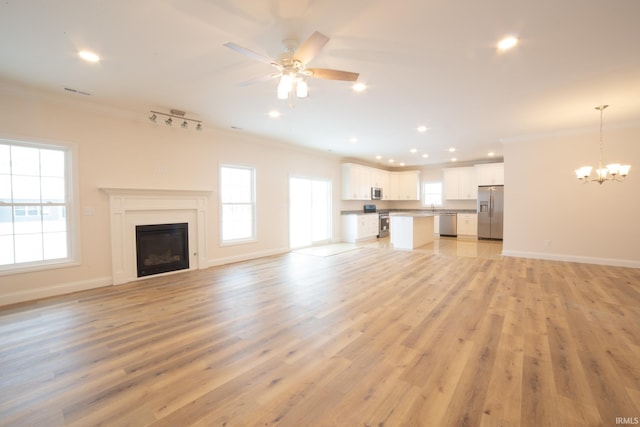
(292, 67)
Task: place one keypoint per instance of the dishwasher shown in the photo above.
(449, 224)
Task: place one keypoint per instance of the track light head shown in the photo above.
(177, 114)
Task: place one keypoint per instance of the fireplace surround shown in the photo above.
(130, 208)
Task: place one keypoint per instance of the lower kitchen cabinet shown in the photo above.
(357, 227)
(467, 224)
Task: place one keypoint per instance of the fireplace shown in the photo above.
(161, 248)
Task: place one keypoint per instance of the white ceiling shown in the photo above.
(426, 62)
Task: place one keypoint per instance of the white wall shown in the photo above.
(124, 149)
(581, 222)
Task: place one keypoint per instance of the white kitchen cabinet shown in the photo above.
(490, 174)
(467, 224)
(380, 179)
(460, 183)
(404, 185)
(356, 182)
(357, 227)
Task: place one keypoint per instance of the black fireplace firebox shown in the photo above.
(161, 248)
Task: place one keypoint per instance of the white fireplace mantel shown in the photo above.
(130, 207)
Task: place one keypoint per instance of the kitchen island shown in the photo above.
(411, 230)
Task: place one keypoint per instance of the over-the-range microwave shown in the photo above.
(376, 193)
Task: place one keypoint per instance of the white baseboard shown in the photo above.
(246, 257)
(64, 288)
(573, 258)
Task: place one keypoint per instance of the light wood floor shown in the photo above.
(366, 337)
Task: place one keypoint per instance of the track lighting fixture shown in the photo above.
(177, 114)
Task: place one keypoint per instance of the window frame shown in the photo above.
(253, 203)
(73, 235)
(425, 194)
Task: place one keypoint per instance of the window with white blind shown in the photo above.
(238, 204)
(36, 206)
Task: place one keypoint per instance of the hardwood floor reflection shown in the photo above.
(452, 246)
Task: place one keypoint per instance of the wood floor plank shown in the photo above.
(369, 337)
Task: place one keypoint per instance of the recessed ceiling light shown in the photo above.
(359, 87)
(391, 160)
(453, 159)
(353, 140)
(507, 43)
(491, 154)
(422, 128)
(402, 164)
(425, 155)
(413, 150)
(451, 150)
(274, 114)
(378, 157)
(89, 56)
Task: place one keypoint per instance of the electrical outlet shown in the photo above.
(547, 243)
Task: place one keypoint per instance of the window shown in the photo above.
(432, 194)
(35, 206)
(237, 197)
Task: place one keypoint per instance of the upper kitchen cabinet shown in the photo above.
(490, 174)
(460, 184)
(404, 185)
(381, 180)
(357, 181)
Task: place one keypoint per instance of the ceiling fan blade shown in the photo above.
(310, 47)
(259, 79)
(251, 54)
(323, 73)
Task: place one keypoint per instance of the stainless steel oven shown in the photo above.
(383, 227)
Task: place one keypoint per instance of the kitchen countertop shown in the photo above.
(418, 214)
(430, 212)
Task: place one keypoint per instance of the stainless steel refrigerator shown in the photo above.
(490, 212)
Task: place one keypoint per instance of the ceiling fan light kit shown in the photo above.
(292, 67)
(175, 114)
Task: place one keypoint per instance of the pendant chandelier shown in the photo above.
(612, 172)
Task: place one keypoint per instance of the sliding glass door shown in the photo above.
(309, 211)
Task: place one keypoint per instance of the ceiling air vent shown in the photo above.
(79, 92)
